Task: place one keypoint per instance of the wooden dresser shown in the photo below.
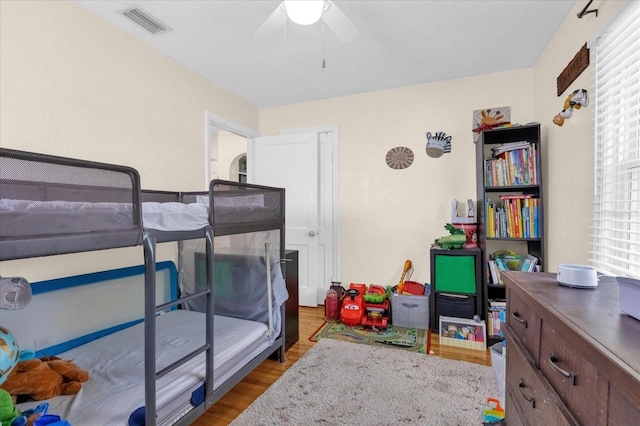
(572, 357)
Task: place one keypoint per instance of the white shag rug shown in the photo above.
(343, 383)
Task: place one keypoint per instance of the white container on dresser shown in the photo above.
(573, 357)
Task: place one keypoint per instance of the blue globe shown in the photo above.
(9, 352)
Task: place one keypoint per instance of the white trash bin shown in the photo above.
(498, 354)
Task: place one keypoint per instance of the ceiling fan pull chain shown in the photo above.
(323, 62)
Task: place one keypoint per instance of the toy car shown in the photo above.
(352, 308)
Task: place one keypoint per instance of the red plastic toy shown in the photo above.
(367, 307)
(376, 308)
(352, 307)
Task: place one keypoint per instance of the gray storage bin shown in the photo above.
(410, 311)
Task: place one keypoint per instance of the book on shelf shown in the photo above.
(514, 167)
(501, 264)
(514, 216)
(515, 196)
(495, 319)
(530, 263)
(497, 304)
(495, 274)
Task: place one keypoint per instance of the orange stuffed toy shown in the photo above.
(45, 378)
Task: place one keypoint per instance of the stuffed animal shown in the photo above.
(8, 411)
(11, 416)
(45, 378)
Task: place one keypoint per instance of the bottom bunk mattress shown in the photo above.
(115, 388)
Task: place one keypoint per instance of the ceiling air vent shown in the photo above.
(145, 20)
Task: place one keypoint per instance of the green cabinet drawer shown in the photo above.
(455, 274)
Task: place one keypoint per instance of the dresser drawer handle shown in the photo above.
(527, 398)
(564, 373)
(516, 316)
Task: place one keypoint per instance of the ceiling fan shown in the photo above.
(326, 10)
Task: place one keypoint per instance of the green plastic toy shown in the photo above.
(453, 241)
(8, 411)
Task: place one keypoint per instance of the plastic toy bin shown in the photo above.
(410, 311)
(630, 296)
(455, 273)
(498, 365)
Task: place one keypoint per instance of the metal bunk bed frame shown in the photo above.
(149, 240)
(15, 182)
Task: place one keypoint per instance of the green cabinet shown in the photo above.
(456, 284)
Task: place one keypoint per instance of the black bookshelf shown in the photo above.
(515, 183)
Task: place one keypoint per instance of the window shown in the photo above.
(616, 221)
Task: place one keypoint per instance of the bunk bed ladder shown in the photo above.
(150, 313)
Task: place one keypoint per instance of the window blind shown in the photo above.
(616, 215)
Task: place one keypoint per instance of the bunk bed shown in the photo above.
(228, 317)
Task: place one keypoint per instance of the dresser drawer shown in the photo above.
(622, 411)
(574, 379)
(512, 414)
(524, 322)
(531, 397)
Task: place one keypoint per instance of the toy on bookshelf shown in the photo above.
(510, 261)
(507, 260)
(454, 241)
(467, 224)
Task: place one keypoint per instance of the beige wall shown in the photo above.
(74, 85)
(386, 215)
(568, 150)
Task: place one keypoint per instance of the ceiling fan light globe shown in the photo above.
(304, 12)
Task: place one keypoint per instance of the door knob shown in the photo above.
(311, 233)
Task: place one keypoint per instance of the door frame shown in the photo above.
(335, 197)
(213, 123)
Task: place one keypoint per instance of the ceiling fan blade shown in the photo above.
(274, 22)
(342, 26)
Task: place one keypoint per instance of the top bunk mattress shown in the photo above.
(25, 218)
(116, 367)
(55, 205)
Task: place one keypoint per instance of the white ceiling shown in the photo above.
(401, 43)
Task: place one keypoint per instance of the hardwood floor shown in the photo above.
(241, 396)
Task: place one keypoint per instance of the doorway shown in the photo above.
(225, 144)
(326, 262)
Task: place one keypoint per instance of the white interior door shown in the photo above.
(291, 162)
